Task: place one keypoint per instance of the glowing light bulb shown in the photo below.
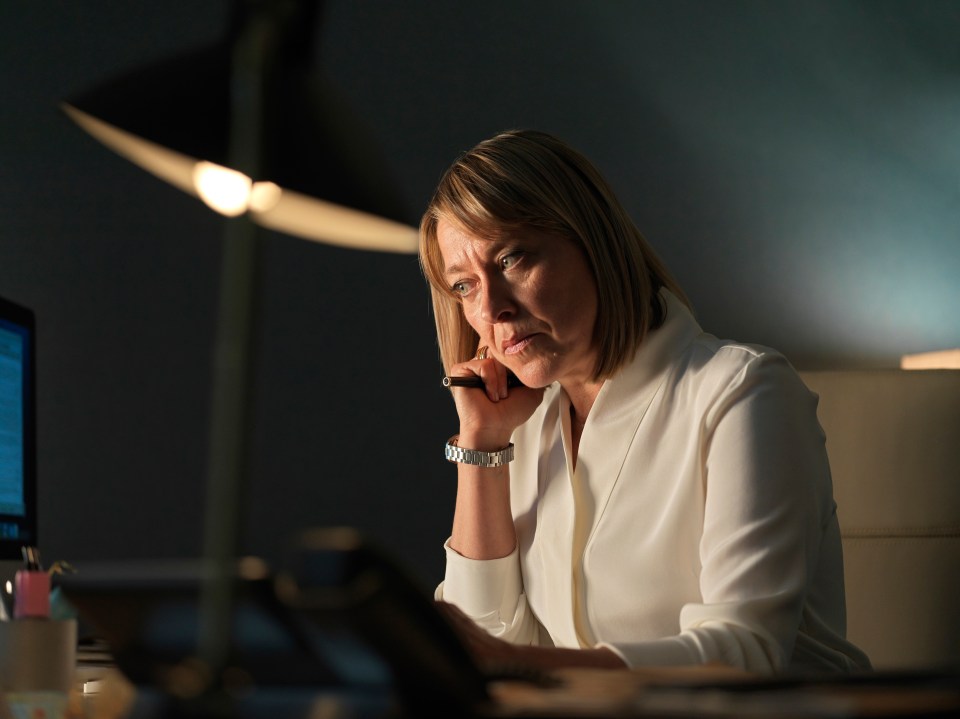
(224, 190)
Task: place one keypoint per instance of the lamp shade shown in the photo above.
(317, 174)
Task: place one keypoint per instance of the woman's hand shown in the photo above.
(482, 520)
(488, 417)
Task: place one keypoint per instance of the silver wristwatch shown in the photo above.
(477, 457)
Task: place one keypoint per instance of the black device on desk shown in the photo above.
(18, 460)
(342, 620)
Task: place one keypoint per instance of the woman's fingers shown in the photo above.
(492, 415)
(493, 374)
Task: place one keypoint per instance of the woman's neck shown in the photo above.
(582, 397)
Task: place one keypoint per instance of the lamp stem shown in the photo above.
(230, 425)
(231, 404)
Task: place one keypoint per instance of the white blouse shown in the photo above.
(699, 524)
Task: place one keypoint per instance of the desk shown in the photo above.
(695, 693)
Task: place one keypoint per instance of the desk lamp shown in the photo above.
(247, 126)
(242, 126)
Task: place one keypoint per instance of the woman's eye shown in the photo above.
(459, 288)
(508, 261)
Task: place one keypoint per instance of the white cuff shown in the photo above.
(482, 587)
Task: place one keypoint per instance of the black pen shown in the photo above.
(477, 382)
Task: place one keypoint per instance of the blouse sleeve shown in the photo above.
(768, 507)
(490, 592)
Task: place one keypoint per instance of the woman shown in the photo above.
(651, 494)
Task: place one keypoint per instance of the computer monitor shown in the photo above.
(18, 468)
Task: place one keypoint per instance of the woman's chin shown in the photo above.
(537, 384)
(541, 371)
(534, 377)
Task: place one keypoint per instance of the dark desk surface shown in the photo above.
(697, 693)
(707, 692)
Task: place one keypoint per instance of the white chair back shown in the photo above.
(893, 438)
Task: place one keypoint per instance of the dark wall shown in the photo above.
(796, 163)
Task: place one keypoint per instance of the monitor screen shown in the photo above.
(18, 512)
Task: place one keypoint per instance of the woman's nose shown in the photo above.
(496, 303)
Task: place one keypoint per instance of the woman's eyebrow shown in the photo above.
(452, 269)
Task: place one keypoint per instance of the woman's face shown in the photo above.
(530, 296)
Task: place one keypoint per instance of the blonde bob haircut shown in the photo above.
(528, 180)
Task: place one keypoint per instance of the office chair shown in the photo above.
(893, 438)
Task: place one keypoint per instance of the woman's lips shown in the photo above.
(514, 346)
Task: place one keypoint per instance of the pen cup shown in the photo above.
(38, 660)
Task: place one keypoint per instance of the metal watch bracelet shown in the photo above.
(477, 457)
